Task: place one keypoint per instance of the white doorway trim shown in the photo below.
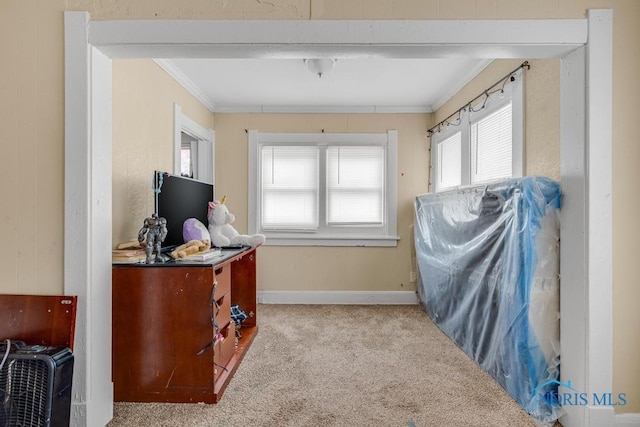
(586, 139)
(87, 220)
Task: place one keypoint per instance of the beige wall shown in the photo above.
(327, 268)
(542, 110)
(143, 100)
(32, 123)
(32, 146)
(626, 204)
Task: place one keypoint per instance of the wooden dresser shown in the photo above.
(165, 318)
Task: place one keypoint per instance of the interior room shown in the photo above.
(161, 104)
(366, 275)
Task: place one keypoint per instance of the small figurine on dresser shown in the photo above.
(154, 231)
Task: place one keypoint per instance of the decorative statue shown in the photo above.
(154, 231)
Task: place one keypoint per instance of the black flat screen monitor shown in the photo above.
(179, 199)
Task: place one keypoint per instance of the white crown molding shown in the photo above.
(169, 67)
(418, 109)
(238, 110)
(338, 297)
(469, 75)
(326, 109)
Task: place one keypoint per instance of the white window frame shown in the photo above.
(204, 166)
(514, 93)
(385, 235)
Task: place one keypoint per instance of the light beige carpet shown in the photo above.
(345, 366)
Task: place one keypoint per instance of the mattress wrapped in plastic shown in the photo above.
(488, 260)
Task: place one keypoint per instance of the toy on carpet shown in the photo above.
(222, 232)
(190, 248)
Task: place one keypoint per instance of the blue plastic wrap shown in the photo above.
(488, 259)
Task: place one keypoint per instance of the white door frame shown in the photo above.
(586, 138)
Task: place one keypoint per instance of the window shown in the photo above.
(491, 146)
(450, 161)
(355, 185)
(484, 144)
(290, 187)
(323, 189)
(194, 148)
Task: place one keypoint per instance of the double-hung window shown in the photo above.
(484, 143)
(323, 189)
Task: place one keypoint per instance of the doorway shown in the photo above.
(585, 165)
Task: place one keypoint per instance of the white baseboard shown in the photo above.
(338, 297)
(627, 420)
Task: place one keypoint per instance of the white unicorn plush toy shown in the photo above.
(222, 232)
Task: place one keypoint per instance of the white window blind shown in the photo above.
(289, 187)
(355, 185)
(491, 146)
(450, 161)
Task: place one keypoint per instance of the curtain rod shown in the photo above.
(485, 93)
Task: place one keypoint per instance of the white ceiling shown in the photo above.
(353, 85)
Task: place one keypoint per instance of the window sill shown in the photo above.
(333, 241)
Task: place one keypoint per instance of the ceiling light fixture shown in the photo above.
(320, 66)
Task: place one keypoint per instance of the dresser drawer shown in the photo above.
(222, 281)
(222, 313)
(223, 350)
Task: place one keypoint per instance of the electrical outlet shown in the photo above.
(413, 277)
